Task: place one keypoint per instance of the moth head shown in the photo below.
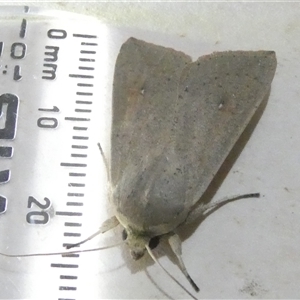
(137, 243)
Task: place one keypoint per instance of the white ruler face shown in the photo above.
(55, 90)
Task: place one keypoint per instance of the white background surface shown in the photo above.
(250, 248)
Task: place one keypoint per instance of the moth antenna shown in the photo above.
(62, 253)
(169, 274)
(106, 226)
(85, 240)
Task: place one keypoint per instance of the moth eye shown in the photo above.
(154, 242)
(124, 235)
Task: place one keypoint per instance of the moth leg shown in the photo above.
(175, 243)
(203, 210)
(106, 226)
(105, 161)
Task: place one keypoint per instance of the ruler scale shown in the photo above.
(53, 78)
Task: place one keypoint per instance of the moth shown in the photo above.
(174, 123)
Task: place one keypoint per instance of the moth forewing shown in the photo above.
(224, 91)
(174, 123)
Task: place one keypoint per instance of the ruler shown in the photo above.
(55, 90)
